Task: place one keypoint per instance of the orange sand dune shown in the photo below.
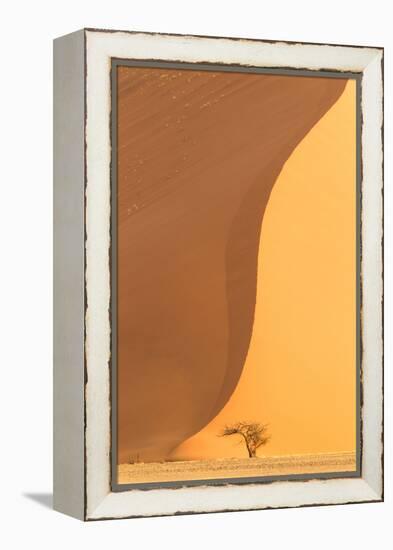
(300, 371)
(198, 155)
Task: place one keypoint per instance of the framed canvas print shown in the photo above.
(218, 274)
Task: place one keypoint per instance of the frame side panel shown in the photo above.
(68, 299)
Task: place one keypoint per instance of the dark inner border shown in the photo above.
(206, 66)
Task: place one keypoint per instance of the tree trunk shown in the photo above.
(251, 452)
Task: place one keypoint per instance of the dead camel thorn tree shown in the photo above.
(254, 435)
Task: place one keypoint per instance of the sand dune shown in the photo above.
(198, 155)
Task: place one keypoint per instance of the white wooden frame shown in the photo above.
(82, 471)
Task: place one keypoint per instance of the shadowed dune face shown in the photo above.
(198, 155)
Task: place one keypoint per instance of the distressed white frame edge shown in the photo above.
(68, 274)
(101, 502)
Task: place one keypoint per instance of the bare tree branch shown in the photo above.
(254, 434)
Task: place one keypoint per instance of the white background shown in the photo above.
(28, 28)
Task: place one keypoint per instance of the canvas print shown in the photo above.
(235, 280)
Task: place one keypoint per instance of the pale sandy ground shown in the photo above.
(236, 467)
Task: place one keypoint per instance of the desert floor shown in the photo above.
(236, 467)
